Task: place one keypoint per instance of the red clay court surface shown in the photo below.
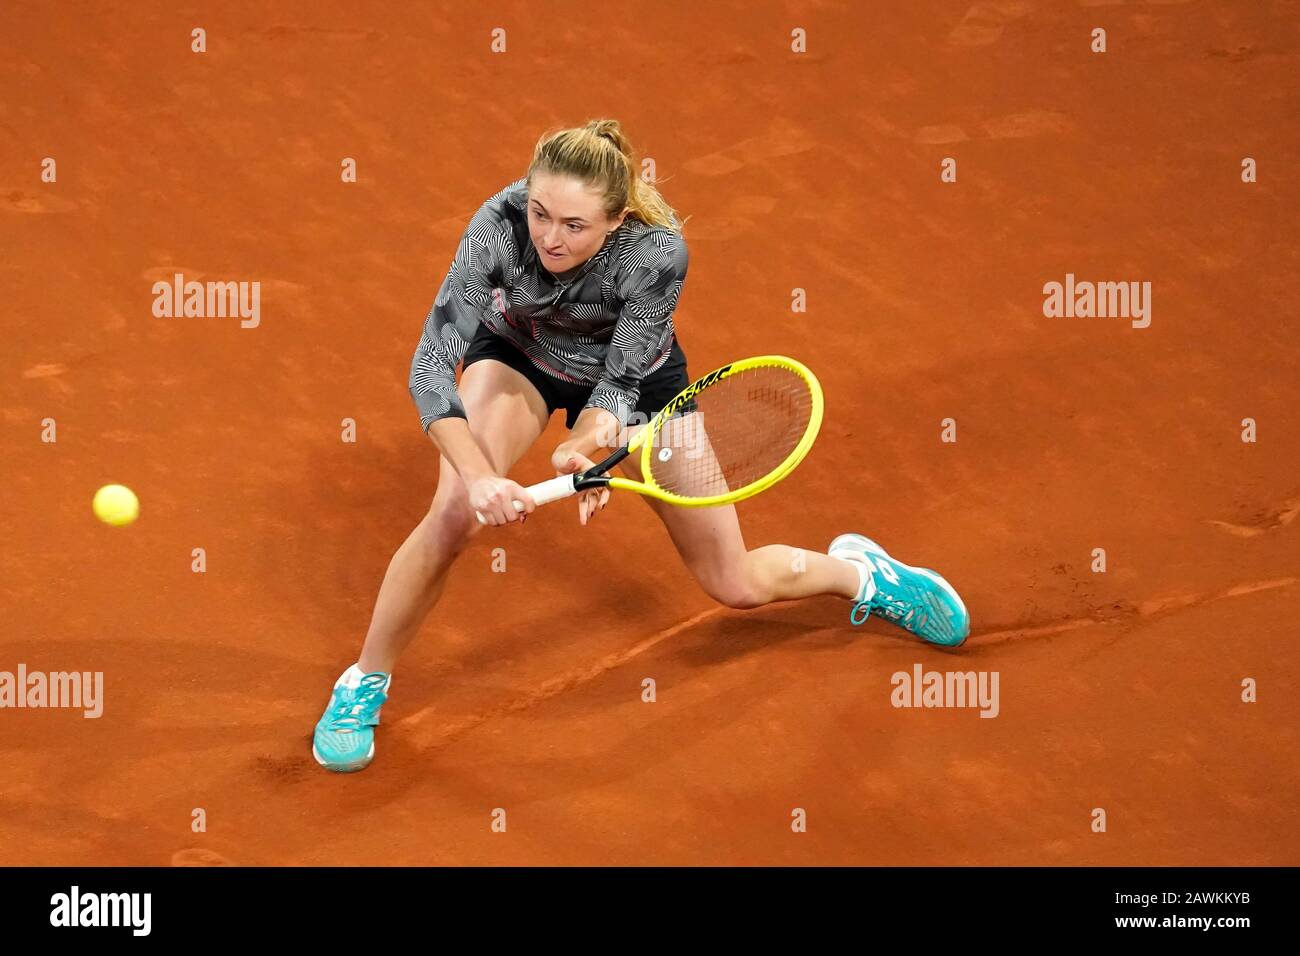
(818, 171)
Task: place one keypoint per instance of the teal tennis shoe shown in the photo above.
(916, 599)
(344, 740)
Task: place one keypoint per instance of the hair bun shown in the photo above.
(607, 129)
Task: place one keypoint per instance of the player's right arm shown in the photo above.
(490, 494)
(465, 294)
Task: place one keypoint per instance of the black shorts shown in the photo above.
(657, 388)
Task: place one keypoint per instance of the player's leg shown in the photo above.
(711, 544)
(506, 415)
(709, 541)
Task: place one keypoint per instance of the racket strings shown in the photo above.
(733, 434)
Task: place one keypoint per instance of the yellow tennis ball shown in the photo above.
(116, 505)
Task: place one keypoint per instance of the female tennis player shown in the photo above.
(561, 296)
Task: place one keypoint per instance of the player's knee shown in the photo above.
(451, 522)
(733, 592)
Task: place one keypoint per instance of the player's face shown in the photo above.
(566, 222)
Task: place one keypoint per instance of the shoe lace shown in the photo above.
(356, 707)
(897, 610)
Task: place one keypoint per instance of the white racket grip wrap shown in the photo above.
(542, 493)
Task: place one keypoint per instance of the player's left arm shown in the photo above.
(649, 291)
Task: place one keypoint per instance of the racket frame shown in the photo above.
(597, 476)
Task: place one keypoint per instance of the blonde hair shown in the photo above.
(600, 155)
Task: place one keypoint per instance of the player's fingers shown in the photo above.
(504, 509)
(513, 494)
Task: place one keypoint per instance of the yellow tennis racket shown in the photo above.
(725, 437)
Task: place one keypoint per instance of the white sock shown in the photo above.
(351, 678)
(866, 580)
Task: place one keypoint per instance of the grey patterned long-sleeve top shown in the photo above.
(608, 324)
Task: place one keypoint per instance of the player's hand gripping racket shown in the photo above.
(729, 435)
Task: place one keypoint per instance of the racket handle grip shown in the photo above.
(542, 493)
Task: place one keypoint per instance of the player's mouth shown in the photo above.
(554, 255)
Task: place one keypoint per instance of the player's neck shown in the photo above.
(569, 274)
